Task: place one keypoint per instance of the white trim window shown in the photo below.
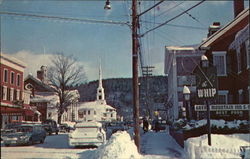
(18, 79)
(240, 96)
(12, 77)
(247, 53)
(4, 92)
(5, 75)
(11, 94)
(219, 60)
(222, 97)
(17, 94)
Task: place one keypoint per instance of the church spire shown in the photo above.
(100, 96)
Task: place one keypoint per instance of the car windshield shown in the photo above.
(87, 129)
(24, 129)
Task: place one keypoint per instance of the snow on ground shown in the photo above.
(160, 146)
(222, 146)
(120, 146)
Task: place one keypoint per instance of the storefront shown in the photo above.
(10, 115)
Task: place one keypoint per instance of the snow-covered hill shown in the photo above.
(118, 93)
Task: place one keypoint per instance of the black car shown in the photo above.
(50, 126)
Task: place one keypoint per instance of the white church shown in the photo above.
(97, 110)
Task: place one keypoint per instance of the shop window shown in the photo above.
(12, 77)
(219, 60)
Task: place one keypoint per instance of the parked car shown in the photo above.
(87, 134)
(50, 126)
(24, 134)
(64, 128)
(159, 124)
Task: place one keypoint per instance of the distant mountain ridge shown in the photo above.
(118, 93)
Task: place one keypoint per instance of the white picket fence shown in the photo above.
(195, 151)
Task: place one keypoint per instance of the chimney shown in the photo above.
(42, 74)
(213, 28)
(238, 7)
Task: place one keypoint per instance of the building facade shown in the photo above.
(179, 65)
(14, 99)
(231, 59)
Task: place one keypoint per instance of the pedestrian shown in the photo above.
(157, 125)
(145, 125)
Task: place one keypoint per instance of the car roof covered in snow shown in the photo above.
(89, 124)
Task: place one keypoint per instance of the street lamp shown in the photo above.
(205, 65)
(186, 94)
(107, 5)
(204, 61)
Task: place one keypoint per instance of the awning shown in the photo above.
(9, 110)
(28, 112)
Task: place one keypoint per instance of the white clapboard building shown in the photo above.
(97, 110)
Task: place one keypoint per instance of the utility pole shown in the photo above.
(147, 72)
(135, 24)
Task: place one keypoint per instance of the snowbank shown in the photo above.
(223, 146)
(119, 146)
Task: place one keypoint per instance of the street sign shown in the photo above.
(206, 80)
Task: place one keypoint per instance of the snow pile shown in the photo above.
(217, 123)
(119, 146)
(223, 146)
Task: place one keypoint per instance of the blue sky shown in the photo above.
(33, 40)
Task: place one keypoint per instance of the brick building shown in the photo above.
(14, 99)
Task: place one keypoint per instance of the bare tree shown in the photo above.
(64, 73)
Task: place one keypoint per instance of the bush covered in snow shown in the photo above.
(119, 146)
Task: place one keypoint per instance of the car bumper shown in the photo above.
(85, 143)
(15, 142)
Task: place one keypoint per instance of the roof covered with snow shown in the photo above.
(227, 28)
(94, 105)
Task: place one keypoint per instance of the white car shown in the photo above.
(88, 133)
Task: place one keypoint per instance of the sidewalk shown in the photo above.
(160, 146)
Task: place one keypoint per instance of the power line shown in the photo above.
(172, 18)
(175, 25)
(65, 18)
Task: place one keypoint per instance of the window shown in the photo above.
(222, 97)
(18, 94)
(248, 94)
(100, 97)
(248, 53)
(219, 60)
(111, 115)
(94, 112)
(8, 93)
(11, 94)
(12, 77)
(240, 96)
(18, 79)
(84, 112)
(88, 112)
(4, 93)
(5, 75)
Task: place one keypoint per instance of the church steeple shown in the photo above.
(100, 96)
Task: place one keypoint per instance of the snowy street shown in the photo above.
(154, 145)
(120, 146)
